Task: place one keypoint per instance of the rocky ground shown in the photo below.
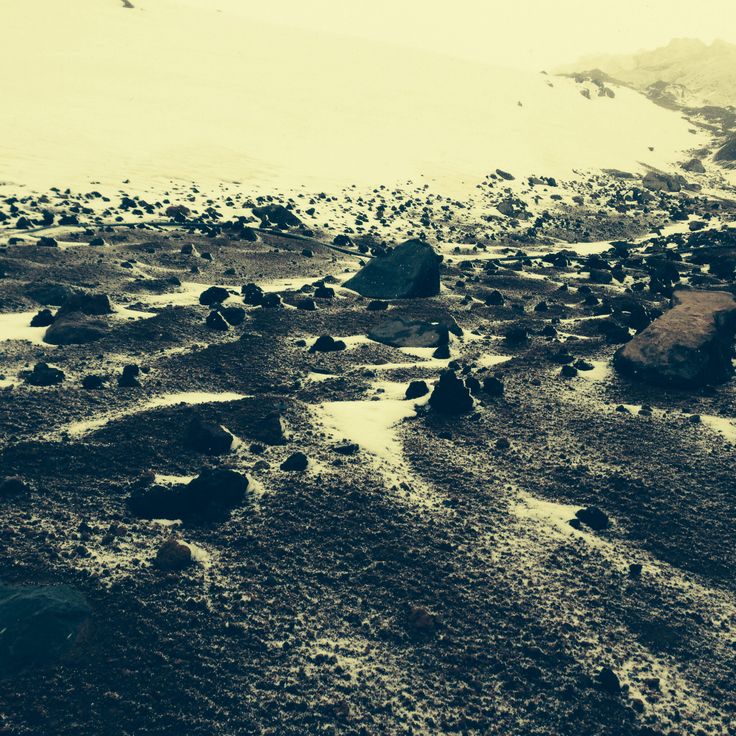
(537, 544)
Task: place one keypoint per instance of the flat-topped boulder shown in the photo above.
(75, 328)
(691, 345)
(401, 333)
(410, 270)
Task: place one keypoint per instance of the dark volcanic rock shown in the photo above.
(129, 377)
(608, 681)
(213, 295)
(43, 319)
(694, 165)
(347, 448)
(276, 214)
(269, 430)
(39, 625)
(402, 333)
(493, 386)
(252, 294)
(297, 462)
(215, 321)
(494, 299)
(75, 328)
(412, 269)
(49, 293)
(416, 389)
(233, 315)
(208, 437)
(173, 556)
(271, 300)
(451, 395)
(219, 487)
(84, 303)
(660, 182)
(727, 152)
(516, 335)
(327, 344)
(92, 383)
(212, 493)
(593, 517)
(690, 345)
(13, 487)
(44, 375)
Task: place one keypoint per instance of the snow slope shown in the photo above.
(705, 73)
(96, 92)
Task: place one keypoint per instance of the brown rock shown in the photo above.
(173, 555)
(688, 346)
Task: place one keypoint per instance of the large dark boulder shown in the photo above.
(727, 152)
(451, 395)
(75, 328)
(412, 269)
(85, 303)
(50, 293)
(402, 333)
(211, 494)
(691, 345)
(213, 295)
(38, 625)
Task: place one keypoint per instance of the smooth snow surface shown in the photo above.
(168, 91)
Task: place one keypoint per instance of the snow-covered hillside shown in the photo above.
(695, 72)
(93, 91)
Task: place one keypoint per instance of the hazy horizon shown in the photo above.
(500, 34)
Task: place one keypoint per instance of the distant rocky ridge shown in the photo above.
(685, 73)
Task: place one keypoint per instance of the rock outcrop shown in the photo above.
(688, 346)
(412, 269)
(39, 625)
